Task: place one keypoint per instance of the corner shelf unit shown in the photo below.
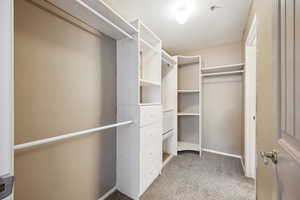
(139, 146)
(169, 79)
(189, 103)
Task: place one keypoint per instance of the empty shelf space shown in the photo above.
(185, 146)
(223, 68)
(168, 134)
(188, 91)
(146, 83)
(147, 46)
(98, 15)
(188, 114)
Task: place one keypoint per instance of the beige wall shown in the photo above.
(64, 82)
(222, 101)
(266, 95)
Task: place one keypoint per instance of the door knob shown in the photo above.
(267, 156)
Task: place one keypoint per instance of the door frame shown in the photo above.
(250, 107)
(7, 89)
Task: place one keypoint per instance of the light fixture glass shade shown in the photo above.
(183, 11)
(182, 15)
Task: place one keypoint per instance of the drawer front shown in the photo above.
(168, 121)
(151, 153)
(150, 114)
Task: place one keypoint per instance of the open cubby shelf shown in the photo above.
(189, 103)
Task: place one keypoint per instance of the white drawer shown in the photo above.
(150, 114)
(151, 137)
(151, 153)
(168, 121)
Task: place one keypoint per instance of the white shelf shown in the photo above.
(188, 114)
(222, 68)
(185, 146)
(150, 104)
(168, 134)
(223, 73)
(188, 60)
(188, 91)
(168, 110)
(98, 15)
(147, 46)
(167, 58)
(147, 83)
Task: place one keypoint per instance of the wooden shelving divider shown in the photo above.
(169, 102)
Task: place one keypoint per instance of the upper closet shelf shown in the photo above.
(223, 73)
(167, 58)
(188, 60)
(146, 83)
(188, 114)
(188, 91)
(98, 15)
(223, 68)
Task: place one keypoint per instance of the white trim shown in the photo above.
(69, 135)
(250, 101)
(108, 193)
(222, 153)
(168, 160)
(243, 165)
(251, 37)
(7, 89)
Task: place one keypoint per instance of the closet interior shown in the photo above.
(159, 97)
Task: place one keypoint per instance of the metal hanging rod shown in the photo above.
(223, 73)
(69, 135)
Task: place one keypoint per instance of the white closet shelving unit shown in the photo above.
(189, 103)
(139, 147)
(169, 101)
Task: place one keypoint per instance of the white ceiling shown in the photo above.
(203, 29)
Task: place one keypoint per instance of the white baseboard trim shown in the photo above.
(243, 166)
(108, 193)
(222, 153)
(168, 160)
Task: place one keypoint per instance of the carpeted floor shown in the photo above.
(189, 177)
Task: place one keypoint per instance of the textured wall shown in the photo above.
(222, 101)
(64, 82)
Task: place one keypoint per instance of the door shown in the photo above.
(6, 103)
(286, 158)
(250, 103)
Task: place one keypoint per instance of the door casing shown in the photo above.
(6, 89)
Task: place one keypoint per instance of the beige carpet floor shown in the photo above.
(189, 177)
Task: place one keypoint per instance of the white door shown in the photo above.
(6, 98)
(286, 157)
(250, 103)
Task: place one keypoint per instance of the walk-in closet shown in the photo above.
(106, 104)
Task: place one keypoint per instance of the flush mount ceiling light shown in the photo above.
(183, 11)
